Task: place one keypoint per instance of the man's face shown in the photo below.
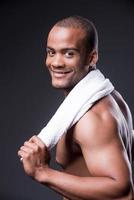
(66, 57)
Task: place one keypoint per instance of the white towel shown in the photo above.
(91, 88)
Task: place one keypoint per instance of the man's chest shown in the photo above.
(67, 149)
(69, 156)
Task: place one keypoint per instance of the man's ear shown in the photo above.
(93, 58)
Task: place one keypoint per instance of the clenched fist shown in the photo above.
(35, 157)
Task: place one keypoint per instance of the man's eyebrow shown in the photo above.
(63, 49)
(70, 48)
(49, 48)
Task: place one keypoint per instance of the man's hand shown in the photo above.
(35, 157)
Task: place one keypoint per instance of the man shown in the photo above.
(95, 154)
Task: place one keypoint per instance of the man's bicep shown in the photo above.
(104, 152)
(109, 160)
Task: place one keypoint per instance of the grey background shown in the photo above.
(27, 100)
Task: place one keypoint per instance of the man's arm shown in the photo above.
(104, 155)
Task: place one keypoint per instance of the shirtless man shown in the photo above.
(95, 154)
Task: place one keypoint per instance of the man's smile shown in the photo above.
(59, 73)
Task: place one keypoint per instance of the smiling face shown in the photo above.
(67, 58)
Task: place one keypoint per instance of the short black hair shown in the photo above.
(86, 25)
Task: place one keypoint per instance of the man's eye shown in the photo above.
(50, 53)
(69, 54)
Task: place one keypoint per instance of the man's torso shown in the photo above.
(68, 151)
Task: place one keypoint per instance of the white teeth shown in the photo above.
(60, 72)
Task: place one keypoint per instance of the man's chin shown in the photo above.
(57, 86)
(61, 86)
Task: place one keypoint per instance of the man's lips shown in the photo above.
(60, 74)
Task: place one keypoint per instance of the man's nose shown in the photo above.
(57, 61)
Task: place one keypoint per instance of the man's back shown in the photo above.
(69, 153)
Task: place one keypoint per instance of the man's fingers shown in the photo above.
(31, 145)
(35, 139)
(27, 149)
(22, 154)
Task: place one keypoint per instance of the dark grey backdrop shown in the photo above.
(27, 100)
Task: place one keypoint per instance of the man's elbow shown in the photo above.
(125, 190)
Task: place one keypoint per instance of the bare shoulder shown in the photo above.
(98, 124)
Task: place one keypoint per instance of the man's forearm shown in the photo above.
(77, 188)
